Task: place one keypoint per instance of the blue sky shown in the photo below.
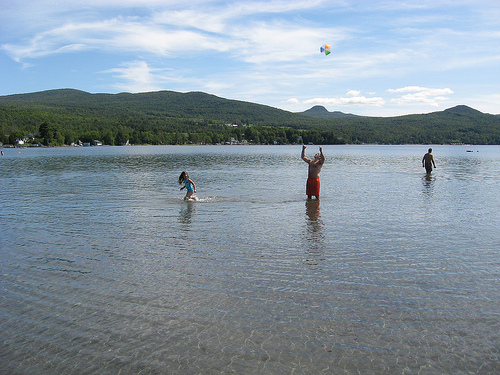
(389, 57)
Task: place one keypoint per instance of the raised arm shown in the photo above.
(303, 155)
(322, 156)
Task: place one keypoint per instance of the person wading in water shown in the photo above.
(428, 161)
(313, 185)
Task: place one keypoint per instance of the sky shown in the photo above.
(388, 57)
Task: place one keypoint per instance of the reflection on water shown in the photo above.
(312, 210)
(428, 183)
(314, 233)
(186, 212)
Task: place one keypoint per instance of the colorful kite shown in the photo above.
(326, 49)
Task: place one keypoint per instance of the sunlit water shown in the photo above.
(106, 270)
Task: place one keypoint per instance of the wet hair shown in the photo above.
(430, 150)
(183, 177)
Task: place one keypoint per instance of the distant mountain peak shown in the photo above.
(320, 111)
(462, 110)
(317, 109)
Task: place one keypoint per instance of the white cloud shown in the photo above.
(426, 90)
(114, 35)
(209, 26)
(353, 98)
(137, 77)
(420, 95)
(213, 86)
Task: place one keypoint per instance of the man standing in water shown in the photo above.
(312, 186)
(428, 161)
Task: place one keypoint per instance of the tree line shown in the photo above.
(49, 134)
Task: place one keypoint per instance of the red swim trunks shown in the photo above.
(312, 187)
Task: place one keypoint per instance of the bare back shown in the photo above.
(428, 159)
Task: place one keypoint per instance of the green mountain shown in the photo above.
(166, 117)
(161, 104)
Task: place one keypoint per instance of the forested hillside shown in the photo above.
(460, 124)
(68, 116)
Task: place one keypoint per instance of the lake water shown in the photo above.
(106, 270)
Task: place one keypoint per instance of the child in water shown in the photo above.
(189, 185)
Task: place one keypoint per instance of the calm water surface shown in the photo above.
(106, 270)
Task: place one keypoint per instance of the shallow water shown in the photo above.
(105, 269)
